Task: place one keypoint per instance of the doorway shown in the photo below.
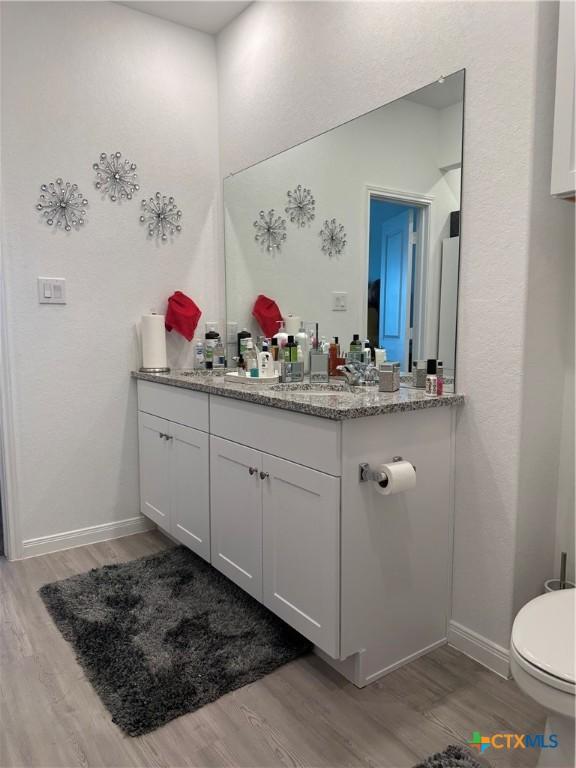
(395, 229)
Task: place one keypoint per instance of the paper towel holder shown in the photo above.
(367, 474)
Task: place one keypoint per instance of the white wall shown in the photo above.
(395, 148)
(290, 71)
(79, 79)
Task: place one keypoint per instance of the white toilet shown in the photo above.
(542, 661)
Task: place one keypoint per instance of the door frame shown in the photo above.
(8, 483)
(415, 200)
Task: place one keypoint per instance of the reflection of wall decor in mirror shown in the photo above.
(161, 216)
(116, 178)
(62, 205)
(333, 237)
(301, 206)
(270, 230)
(391, 179)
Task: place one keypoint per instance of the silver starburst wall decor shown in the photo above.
(162, 216)
(116, 177)
(62, 205)
(333, 237)
(301, 206)
(270, 230)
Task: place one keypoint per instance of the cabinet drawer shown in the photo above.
(175, 404)
(306, 440)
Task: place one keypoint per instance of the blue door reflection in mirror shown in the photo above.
(392, 254)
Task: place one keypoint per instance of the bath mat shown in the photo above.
(454, 757)
(164, 635)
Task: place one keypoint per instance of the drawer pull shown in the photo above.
(264, 475)
(252, 470)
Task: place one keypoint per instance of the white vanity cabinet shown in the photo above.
(301, 549)
(276, 533)
(273, 498)
(236, 513)
(174, 464)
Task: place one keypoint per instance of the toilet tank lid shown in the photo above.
(543, 633)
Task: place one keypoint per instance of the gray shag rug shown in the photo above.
(164, 635)
(454, 756)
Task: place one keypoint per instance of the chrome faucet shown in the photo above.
(359, 374)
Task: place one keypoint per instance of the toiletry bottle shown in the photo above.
(356, 348)
(334, 354)
(290, 351)
(199, 355)
(265, 369)
(242, 336)
(281, 335)
(219, 359)
(241, 366)
(431, 378)
(302, 341)
(251, 359)
(274, 349)
(211, 338)
(440, 378)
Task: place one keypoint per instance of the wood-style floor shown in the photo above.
(304, 714)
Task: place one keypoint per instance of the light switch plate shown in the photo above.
(51, 290)
(339, 301)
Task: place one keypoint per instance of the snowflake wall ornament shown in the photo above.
(333, 237)
(161, 215)
(116, 178)
(62, 205)
(270, 230)
(301, 206)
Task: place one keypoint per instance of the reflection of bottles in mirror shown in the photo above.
(241, 340)
(281, 336)
(366, 353)
(199, 355)
(355, 354)
(219, 360)
(303, 344)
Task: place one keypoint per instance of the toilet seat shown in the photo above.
(543, 639)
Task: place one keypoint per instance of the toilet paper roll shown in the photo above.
(398, 476)
(153, 336)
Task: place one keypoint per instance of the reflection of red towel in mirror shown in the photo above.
(268, 314)
(182, 315)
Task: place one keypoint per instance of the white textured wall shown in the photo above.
(289, 71)
(79, 79)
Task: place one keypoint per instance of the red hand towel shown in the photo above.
(268, 314)
(182, 315)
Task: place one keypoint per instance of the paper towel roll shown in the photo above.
(153, 336)
(291, 324)
(399, 476)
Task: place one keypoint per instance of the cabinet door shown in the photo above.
(189, 475)
(154, 469)
(301, 550)
(236, 513)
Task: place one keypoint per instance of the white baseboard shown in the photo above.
(479, 648)
(56, 542)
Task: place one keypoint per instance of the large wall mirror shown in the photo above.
(358, 228)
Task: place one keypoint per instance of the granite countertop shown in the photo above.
(334, 401)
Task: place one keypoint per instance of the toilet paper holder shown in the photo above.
(366, 474)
